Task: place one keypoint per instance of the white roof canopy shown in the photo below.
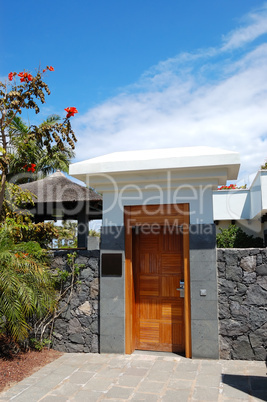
(159, 159)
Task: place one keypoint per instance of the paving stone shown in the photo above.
(66, 388)
(136, 371)
(32, 394)
(129, 380)
(84, 396)
(152, 387)
(93, 367)
(109, 372)
(164, 365)
(98, 384)
(236, 393)
(81, 377)
(53, 398)
(183, 375)
(208, 380)
(206, 394)
(142, 363)
(180, 384)
(152, 377)
(157, 375)
(145, 397)
(119, 392)
(176, 396)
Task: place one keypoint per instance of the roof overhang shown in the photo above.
(188, 161)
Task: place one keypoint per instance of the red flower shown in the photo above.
(25, 76)
(44, 70)
(50, 68)
(10, 76)
(71, 111)
(30, 168)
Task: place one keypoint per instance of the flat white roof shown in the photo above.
(156, 159)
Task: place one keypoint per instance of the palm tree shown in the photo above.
(26, 286)
(27, 151)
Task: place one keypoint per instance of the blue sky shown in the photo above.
(148, 74)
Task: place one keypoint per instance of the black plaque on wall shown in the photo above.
(111, 264)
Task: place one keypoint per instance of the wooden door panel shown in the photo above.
(172, 311)
(149, 309)
(149, 285)
(149, 263)
(170, 263)
(159, 307)
(149, 332)
(169, 285)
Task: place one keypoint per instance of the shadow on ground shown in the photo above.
(255, 386)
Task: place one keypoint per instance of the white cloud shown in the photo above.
(256, 26)
(219, 102)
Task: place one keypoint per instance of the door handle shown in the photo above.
(181, 289)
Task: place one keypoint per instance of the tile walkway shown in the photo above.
(142, 376)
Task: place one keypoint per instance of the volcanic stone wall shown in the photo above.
(242, 303)
(77, 327)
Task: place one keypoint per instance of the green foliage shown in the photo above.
(23, 229)
(235, 237)
(26, 285)
(50, 136)
(67, 235)
(94, 233)
(39, 344)
(25, 149)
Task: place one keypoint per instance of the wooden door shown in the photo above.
(158, 269)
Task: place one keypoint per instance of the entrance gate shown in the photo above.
(156, 265)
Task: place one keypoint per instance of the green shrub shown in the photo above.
(26, 285)
(235, 237)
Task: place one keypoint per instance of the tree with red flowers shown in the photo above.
(24, 91)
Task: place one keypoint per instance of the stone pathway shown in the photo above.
(142, 377)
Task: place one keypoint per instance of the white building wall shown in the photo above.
(199, 199)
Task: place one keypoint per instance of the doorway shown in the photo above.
(157, 316)
(158, 274)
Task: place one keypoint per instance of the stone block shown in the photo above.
(242, 349)
(112, 238)
(262, 270)
(202, 237)
(248, 263)
(233, 273)
(230, 327)
(262, 281)
(210, 286)
(203, 348)
(256, 296)
(226, 287)
(111, 343)
(225, 348)
(202, 270)
(111, 326)
(204, 310)
(257, 317)
(249, 277)
(76, 338)
(220, 254)
(94, 288)
(111, 288)
(204, 329)
(231, 257)
(112, 307)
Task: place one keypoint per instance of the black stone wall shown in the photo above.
(77, 328)
(242, 303)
